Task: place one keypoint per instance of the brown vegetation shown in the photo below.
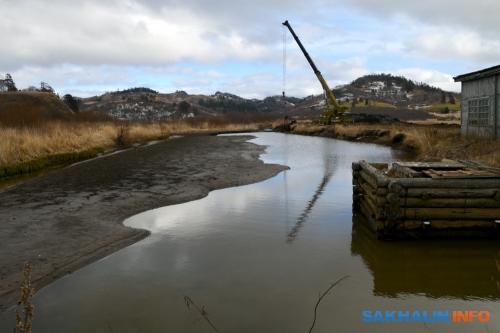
(427, 142)
(38, 131)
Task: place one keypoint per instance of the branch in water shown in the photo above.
(321, 297)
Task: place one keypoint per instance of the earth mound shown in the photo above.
(25, 108)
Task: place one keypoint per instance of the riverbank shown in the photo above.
(426, 142)
(38, 146)
(67, 219)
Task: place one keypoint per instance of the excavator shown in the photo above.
(333, 112)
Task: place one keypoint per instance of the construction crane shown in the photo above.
(333, 111)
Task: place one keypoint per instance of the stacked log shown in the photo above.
(398, 205)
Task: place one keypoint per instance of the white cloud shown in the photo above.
(445, 44)
(432, 78)
(235, 46)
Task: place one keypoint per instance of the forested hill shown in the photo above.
(390, 81)
(146, 104)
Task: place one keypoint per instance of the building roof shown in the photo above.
(474, 75)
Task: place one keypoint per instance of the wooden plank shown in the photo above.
(450, 203)
(451, 224)
(480, 183)
(411, 213)
(451, 193)
(461, 173)
(431, 165)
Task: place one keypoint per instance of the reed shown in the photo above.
(426, 142)
(34, 145)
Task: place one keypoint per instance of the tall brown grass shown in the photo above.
(426, 142)
(37, 139)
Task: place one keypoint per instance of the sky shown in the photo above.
(89, 47)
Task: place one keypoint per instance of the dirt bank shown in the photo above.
(65, 220)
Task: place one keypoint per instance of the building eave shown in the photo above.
(479, 74)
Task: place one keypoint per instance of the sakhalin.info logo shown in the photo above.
(426, 316)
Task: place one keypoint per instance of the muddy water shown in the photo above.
(256, 258)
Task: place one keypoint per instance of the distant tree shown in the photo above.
(443, 97)
(31, 88)
(45, 87)
(367, 102)
(184, 106)
(452, 98)
(445, 110)
(353, 104)
(7, 84)
(71, 102)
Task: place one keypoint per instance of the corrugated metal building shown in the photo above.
(480, 102)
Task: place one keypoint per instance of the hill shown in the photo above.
(372, 94)
(147, 105)
(31, 107)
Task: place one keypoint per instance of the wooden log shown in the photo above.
(394, 187)
(411, 213)
(466, 183)
(452, 224)
(380, 179)
(379, 191)
(367, 207)
(356, 166)
(426, 195)
(370, 193)
(376, 224)
(393, 212)
(392, 198)
(355, 174)
(450, 202)
(377, 211)
(450, 193)
(369, 179)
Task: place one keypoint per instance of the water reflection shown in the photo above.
(463, 269)
(303, 217)
(228, 253)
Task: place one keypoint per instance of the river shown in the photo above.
(256, 258)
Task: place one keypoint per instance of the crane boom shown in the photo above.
(337, 109)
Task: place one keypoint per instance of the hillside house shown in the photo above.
(480, 103)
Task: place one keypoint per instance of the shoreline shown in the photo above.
(67, 219)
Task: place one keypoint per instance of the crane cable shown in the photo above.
(284, 63)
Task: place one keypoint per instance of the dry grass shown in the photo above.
(37, 140)
(23, 144)
(428, 143)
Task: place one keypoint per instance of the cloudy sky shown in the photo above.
(88, 47)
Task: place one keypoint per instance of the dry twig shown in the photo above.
(321, 297)
(189, 302)
(24, 323)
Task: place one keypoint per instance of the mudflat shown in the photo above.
(72, 217)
